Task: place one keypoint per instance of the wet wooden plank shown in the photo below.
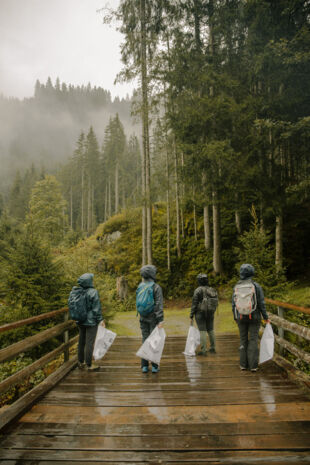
(161, 430)
(170, 456)
(210, 414)
(162, 399)
(205, 442)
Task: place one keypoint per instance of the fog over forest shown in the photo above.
(44, 129)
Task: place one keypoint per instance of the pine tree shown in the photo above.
(47, 210)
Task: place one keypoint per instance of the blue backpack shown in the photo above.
(145, 298)
(78, 304)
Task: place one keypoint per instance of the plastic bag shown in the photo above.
(266, 344)
(192, 341)
(104, 340)
(152, 348)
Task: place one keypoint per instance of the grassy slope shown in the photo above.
(176, 321)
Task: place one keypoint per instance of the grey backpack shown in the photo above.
(245, 298)
(209, 301)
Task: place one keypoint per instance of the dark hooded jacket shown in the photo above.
(148, 273)
(94, 313)
(246, 273)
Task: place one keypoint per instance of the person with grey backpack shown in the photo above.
(248, 306)
(204, 305)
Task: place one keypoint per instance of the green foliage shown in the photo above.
(34, 280)
(47, 209)
(255, 248)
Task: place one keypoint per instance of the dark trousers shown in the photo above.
(147, 325)
(249, 344)
(86, 343)
(205, 322)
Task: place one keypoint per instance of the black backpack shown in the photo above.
(209, 302)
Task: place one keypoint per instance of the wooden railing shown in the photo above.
(284, 325)
(10, 352)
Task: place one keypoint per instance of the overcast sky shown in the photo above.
(64, 38)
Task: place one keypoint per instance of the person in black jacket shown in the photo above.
(249, 324)
(156, 317)
(204, 319)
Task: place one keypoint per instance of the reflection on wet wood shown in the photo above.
(195, 410)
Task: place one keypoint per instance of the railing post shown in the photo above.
(280, 330)
(66, 338)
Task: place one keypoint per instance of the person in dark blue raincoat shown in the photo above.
(88, 330)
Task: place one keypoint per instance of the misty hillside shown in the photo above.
(44, 129)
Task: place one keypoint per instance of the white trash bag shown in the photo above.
(103, 342)
(192, 341)
(266, 344)
(152, 348)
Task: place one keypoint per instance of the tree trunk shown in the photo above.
(88, 205)
(238, 221)
(82, 201)
(177, 200)
(207, 228)
(71, 208)
(109, 199)
(279, 240)
(217, 253)
(182, 199)
(106, 203)
(116, 188)
(168, 211)
(145, 132)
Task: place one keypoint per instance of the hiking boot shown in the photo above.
(145, 369)
(155, 369)
(81, 365)
(93, 368)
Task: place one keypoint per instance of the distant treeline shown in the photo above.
(43, 129)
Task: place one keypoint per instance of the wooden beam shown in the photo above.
(299, 353)
(33, 319)
(289, 326)
(28, 399)
(27, 371)
(297, 308)
(12, 351)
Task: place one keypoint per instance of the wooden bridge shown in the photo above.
(197, 410)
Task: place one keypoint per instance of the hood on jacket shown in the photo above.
(202, 279)
(148, 272)
(246, 271)
(86, 280)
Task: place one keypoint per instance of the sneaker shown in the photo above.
(202, 353)
(155, 369)
(93, 368)
(145, 369)
(212, 351)
(254, 370)
(81, 366)
(242, 368)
